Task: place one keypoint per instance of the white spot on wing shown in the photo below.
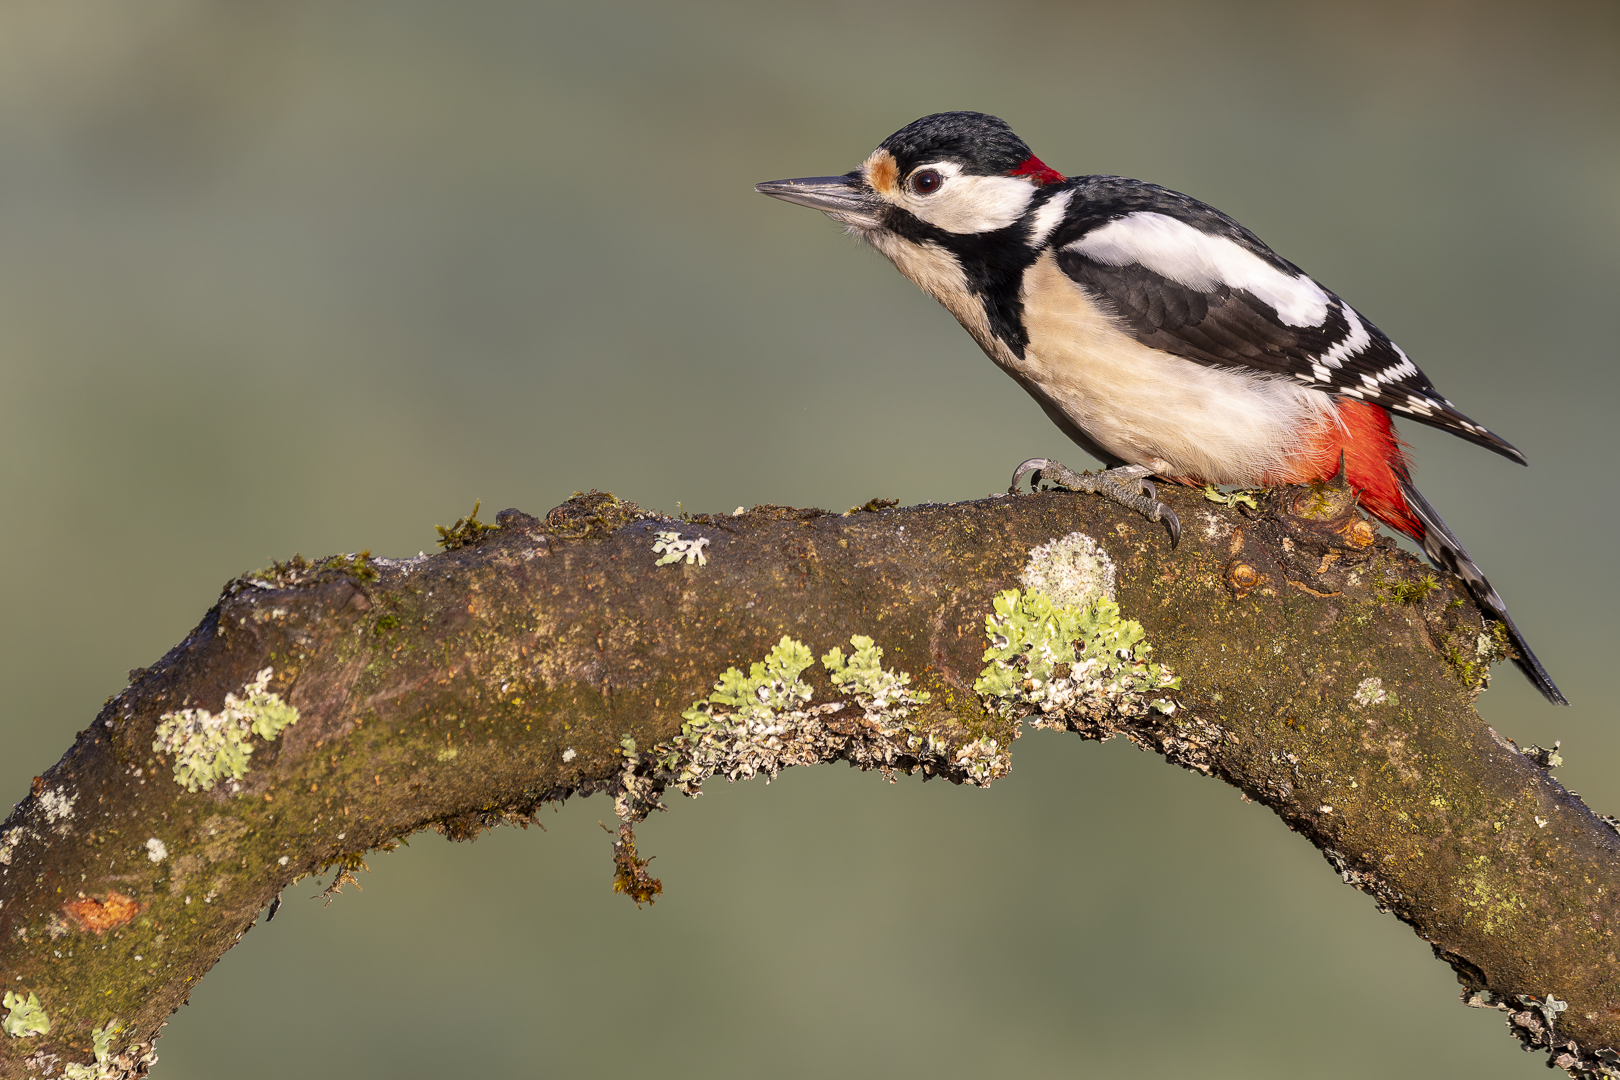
(1176, 250)
(1354, 342)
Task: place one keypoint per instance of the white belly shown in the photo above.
(1180, 418)
(1146, 407)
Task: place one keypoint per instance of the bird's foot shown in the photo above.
(1127, 485)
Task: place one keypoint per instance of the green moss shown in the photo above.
(209, 747)
(26, 1017)
(872, 506)
(301, 571)
(1408, 592)
(465, 532)
(592, 513)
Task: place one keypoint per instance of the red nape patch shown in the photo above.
(1374, 462)
(1038, 171)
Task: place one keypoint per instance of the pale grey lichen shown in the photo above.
(1067, 665)
(11, 838)
(1370, 691)
(764, 721)
(26, 1017)
(675, 549)
(156, 850)
(208, 747)
(1074, 571)
(58, 807)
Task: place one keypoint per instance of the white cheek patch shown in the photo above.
(1176, 250)
(969, 204)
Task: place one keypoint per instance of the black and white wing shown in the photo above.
(1182, 277)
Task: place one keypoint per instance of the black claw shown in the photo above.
(1174, 522)
(1031, 468)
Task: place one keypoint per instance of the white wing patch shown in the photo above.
(1176, 250)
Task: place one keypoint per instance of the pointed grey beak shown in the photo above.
(841, 197)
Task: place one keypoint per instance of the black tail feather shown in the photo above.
(1442, 546)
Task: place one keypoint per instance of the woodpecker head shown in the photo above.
(959, 173)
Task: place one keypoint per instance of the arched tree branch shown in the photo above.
(323, 709)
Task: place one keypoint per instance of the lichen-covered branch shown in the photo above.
(325, 708)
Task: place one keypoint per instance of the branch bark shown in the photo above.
(1311, 664)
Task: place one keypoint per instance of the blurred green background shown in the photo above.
(283, 276)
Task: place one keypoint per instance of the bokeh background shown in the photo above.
(313, 276)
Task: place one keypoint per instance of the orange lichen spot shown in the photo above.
(99, 916)
(882, 172)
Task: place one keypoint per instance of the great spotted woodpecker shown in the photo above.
(1160, 335)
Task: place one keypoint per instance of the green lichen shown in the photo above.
(763, 720)
(1235, 498)
(876, 688)
(101, 1043)
(770, 686)
(101, 1039)
(208, 747)
(26, 1017)
(1049, 656)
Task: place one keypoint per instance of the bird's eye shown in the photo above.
(926, 181)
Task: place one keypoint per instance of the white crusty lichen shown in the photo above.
(765, 719)
(674, 549)
(10, 839)
(1068, 663)
(58, 807)
(1074, 571)
(1370, 691)
(26, 1016)
(208, 747)
(156, 850)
